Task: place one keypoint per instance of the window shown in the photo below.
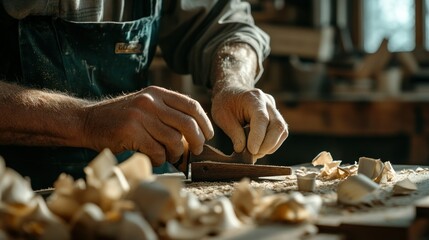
(426, 20)
(392, 19)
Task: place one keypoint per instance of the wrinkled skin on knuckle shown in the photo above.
(255, 94)
(194, 107)
(254, 99)
(279, 126)
(189, 124)
(282, 127)
(154, 89)
(270, 98)
(192, 130)
(260, 115)
(143, 100)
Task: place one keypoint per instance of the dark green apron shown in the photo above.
(87, 60)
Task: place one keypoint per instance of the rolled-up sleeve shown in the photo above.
(191, 32)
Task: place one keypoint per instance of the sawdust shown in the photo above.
(383, 197)
(211, 190)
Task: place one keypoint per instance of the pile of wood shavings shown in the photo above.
(326, 189)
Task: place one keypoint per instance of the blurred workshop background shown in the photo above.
(350, 77)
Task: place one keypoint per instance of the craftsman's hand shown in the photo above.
(236, 102)
(232, 108)
(153, 121)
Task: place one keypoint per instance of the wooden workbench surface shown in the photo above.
(388, 216)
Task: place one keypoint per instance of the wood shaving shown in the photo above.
(404, 187)
(111, 205)
(326, 189)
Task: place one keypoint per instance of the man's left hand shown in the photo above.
(234, 107)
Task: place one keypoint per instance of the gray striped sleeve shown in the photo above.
(193, 30)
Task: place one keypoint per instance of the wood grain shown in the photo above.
(215, 171)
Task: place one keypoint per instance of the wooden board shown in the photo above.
(215, 171)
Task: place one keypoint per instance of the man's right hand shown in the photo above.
(153, 121)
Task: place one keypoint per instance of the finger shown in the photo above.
(192, 108)
(272, 100)
(233, 129)
(155, 108)
(258, 128)
(153, 149)
(187, 126)
(279, 143)
(284, 135)
(168, 137)
(235, 132)
(276, 133)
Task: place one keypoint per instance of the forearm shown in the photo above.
(236, 102)
(235, 66)
(34, 117)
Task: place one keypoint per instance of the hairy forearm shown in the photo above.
(39, 118)
(235, 66)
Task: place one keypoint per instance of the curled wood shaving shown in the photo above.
(255, 205)
(127, 202)
(332, 169)
(404, 187)
(355, 189)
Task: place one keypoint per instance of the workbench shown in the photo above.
(391, 217)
